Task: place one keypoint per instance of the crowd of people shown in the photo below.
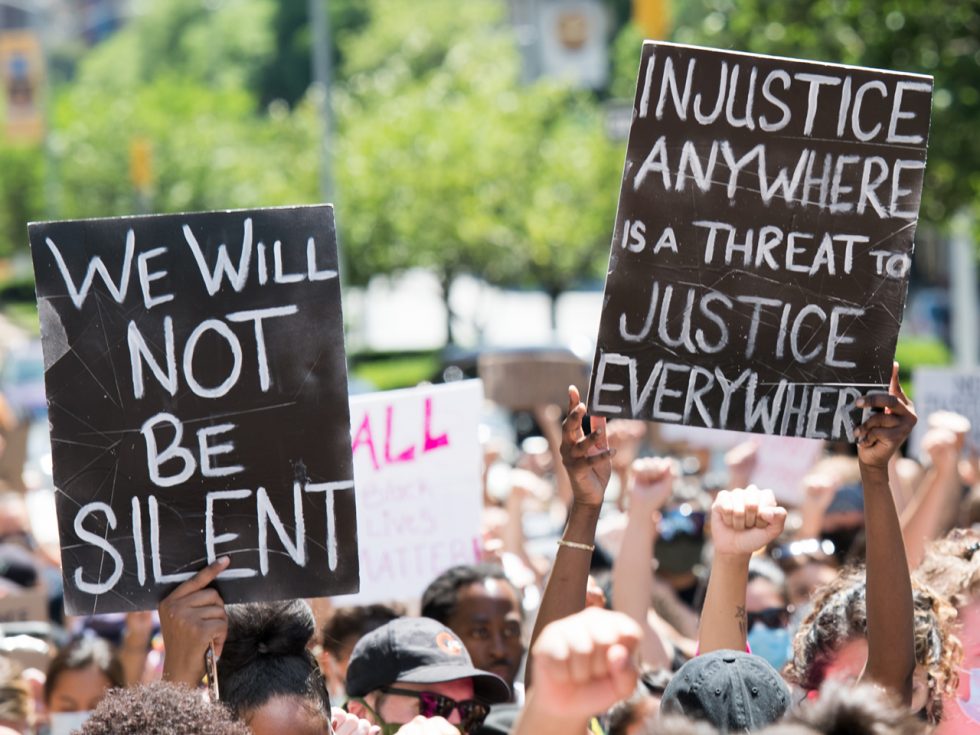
(673, 597)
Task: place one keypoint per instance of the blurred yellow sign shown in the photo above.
(141, 163)
(653, 17)
(22, 72)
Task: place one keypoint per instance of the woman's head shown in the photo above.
(266, 674)
(831, 641)
(81, 675)
(952, 567)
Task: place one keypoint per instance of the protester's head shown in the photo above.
(767, 612)
(832, 642)
(160, 709)
(266, 674)
(732, 690)
(79, 677)
(16, 703)
(483, 608)
(855, 709)
(628, 716)
(808, 565)
(344, 627)
(414, 666)
(952, 568)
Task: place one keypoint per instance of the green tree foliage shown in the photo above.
(209, 150)
(937, 37)
(222, 44)
(179, 78)
(442, 158)
(445, 161)
(21, 193)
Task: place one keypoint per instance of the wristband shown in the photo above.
(576, 545)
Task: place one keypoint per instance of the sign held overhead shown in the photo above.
(197, 392)
(759, 264)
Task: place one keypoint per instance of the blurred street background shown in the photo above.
(473, 149)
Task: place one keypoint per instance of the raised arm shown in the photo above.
(891, 641)
(587, 461)
(923, 518)
(742, 522)
(651, 486)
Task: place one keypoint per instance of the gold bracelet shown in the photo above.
(576, 545)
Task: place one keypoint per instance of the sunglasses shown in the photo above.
(771, 617)
(472, 712)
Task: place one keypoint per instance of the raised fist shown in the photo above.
(745, 520)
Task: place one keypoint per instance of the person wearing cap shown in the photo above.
(734, 691)
(417, 666)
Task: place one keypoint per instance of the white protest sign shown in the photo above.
(946, 389)
(781, 462)
(417, 465)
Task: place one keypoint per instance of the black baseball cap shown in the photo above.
(417, 651)
(733, 690)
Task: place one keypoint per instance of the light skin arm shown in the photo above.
(818, 494)
(191, 618)
(135, 645)
(583, 665)
(632, 575)
(587, 462)
(742, 522)
(922, 520)
(891, 640)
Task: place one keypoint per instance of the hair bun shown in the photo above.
(272, 629)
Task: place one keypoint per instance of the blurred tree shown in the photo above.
(446, 162)
(218, 44)
(938, 37)
(286, 75)
(21, 194)
(210, 151)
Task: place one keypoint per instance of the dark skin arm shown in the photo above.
(587, 461)
(891, 640)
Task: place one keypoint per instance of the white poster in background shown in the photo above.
(417, 470)
(946, 389)
(781, 461)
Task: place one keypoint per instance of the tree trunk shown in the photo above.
(553, 293)
(447, 282)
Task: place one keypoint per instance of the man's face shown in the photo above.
(488, 621)
(400, 709)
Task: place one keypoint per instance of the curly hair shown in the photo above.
(839, 615)
(952, 566)
(160, 709)
(441, 596)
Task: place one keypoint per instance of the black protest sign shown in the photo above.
(759, 264)
(197, 393)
